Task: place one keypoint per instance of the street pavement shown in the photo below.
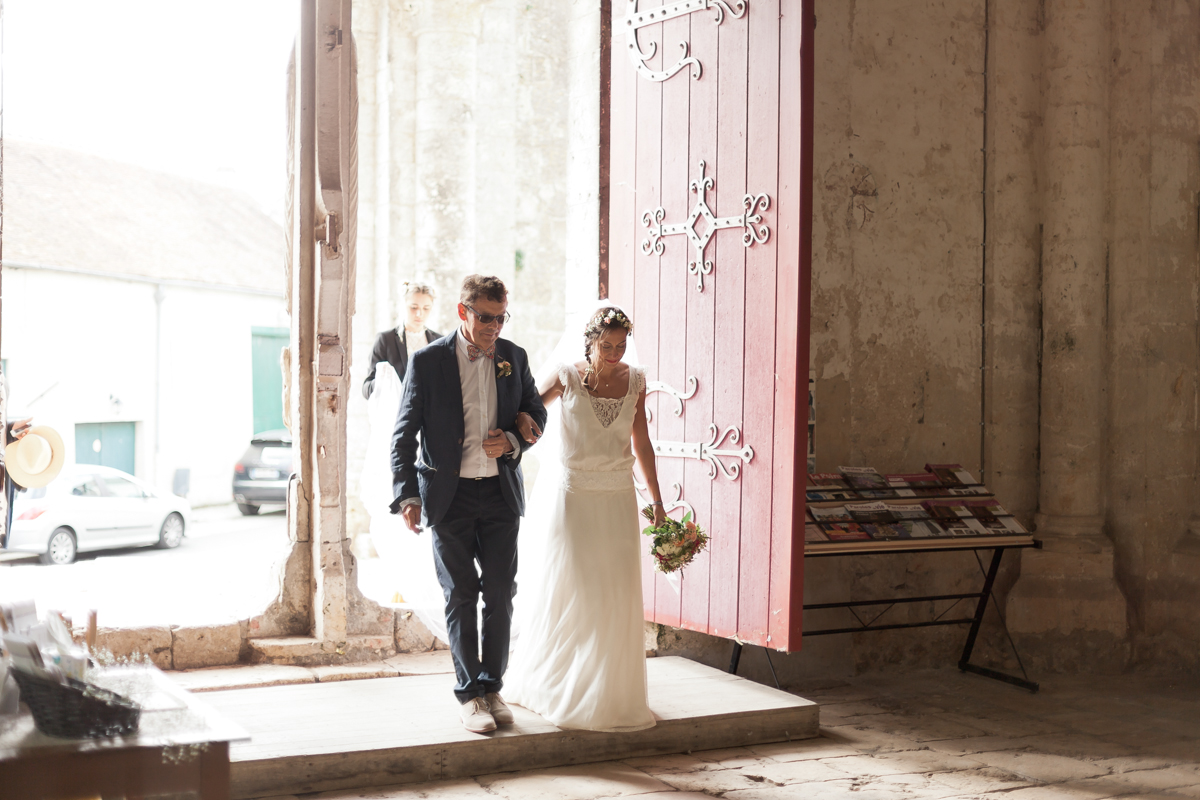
(224, 570)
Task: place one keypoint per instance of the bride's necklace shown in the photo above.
(595, 375)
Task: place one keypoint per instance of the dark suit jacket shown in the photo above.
(391, 346)
(432, 405)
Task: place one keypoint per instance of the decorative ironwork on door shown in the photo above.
(634, 20)
(750, 221)
(709, 451)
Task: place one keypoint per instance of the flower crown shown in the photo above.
(605, 319)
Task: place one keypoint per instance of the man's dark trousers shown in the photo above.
(479, 527)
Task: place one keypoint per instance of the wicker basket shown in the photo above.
(76, 710)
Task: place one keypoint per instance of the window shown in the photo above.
(119, 487)
(86, 488)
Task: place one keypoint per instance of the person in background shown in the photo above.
(397, 346)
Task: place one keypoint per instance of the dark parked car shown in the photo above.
(261, 477)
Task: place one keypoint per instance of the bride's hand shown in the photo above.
(660, 516)
(528, 429)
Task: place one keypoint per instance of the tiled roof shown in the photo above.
(69, 209)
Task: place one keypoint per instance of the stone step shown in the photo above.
(321, 734)
(212, 679)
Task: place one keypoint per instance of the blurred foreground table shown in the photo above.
(182, 745)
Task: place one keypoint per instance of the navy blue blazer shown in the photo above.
(432, 405)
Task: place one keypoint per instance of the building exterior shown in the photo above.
(144, 315)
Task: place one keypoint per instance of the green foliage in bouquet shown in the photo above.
(675, 542)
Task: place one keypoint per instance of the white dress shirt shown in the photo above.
(478, 381)
(412, 341)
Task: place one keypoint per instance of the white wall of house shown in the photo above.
(84, 348)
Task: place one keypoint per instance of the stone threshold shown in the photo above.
(329, 733)
(251, 676)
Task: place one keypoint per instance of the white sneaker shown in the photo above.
(475, 716)
(500, 710)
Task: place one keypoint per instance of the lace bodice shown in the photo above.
(606, 409)
(596, 430)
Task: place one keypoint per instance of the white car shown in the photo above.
(90, 507)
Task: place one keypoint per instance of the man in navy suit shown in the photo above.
(462, 394)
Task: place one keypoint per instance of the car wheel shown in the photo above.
(171, 532)
(247, 510)
(61, 548)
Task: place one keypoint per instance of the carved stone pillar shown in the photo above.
(1069, 586)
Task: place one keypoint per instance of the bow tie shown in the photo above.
(474, 352)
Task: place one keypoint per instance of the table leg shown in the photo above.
(214, 772)
(981, 606)
(964, 663)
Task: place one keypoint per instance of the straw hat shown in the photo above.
(36, 458)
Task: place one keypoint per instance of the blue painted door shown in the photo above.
(109, 444)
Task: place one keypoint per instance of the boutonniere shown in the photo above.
(503, 369)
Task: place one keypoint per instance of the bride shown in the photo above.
(580, 658)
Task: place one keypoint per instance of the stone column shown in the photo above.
(402, 127)
(584, 153)
(446, 34)
(495, 110)
(383, 306)
(1069, 586)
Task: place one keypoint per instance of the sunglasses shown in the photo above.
(488, 319)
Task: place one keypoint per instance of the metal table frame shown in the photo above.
(975, 621)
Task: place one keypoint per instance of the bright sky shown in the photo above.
(183, 86)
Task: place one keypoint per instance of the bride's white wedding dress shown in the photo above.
(580, 660)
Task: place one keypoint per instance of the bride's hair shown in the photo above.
(608, 318)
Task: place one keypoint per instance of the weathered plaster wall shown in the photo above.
(897, 337)
(1152, 306)
(897, 233)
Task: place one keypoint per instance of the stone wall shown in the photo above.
(1154, 180)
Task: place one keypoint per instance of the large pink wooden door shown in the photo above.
(709, 243)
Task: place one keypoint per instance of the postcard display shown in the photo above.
(858, 505)
(858, 511)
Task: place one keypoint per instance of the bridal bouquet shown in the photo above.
(676, 542)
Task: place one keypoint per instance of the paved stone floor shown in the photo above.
(932, 734)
